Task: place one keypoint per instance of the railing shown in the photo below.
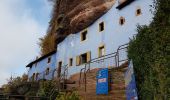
(64, 74)
(52, 92)
(99, 63)
(122, 54)
(51, 74)
(63, 77)
(111, 60)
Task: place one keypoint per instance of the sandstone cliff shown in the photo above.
(71, 16)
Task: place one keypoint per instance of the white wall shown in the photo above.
(113, 36)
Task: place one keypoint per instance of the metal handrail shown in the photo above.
(80, 75)
(62, 75)
(115, 55)
(120, 48)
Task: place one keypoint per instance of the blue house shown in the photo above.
(43, 68)
(103, 37)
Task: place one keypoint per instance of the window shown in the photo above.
(47, 71)
(59, 69)
(101, 51)
(49, 60)
(121, 20)
(60, 64)
(83, 58)
(71, 62)
(37, 74)
(84, 35)
(101, 26)
(33, 77)
(138, 12)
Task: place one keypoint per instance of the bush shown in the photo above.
(150, 52)
(46, 87)
(68, 96)
(14, 83)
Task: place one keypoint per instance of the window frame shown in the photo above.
(36, 76)
(140, 11)
(47, 71)
(33, 77)
(82, 56)
(100, 50)
(49, 60)
(79, 58)
(122, 20)
(101, 28)
(82, 35)
(71, 62)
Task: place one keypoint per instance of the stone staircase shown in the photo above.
(116, 85)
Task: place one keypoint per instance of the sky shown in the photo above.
(22, 23)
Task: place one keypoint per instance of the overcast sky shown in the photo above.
(22, 23)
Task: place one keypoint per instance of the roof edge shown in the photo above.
(41, 58)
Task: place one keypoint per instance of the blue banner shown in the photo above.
(130, 83)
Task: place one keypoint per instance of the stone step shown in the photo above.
(118, 92)
(102, 97)
(120, 86)
(117, 85)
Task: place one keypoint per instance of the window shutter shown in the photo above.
(88, 56)
(77, 60)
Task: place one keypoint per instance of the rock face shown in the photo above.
(71, 16)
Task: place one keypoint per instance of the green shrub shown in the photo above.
(14, 83)
(68, 96)
(46, 87)
(150, 52)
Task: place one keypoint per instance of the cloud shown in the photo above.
(19, 33)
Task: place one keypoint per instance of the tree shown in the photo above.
(150, 52)
(47, 44)
(13, 83)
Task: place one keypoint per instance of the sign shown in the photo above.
(102, 81)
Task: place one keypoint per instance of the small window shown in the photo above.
(84, 35)
(47, 71)
(60, 64)
(49, 60)
(71, 62)
(59, 69)
(37, 75)
(83, 58)
(33, 77)
(138, 12)
(101, 51)
(121, 20)
(101, 26)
